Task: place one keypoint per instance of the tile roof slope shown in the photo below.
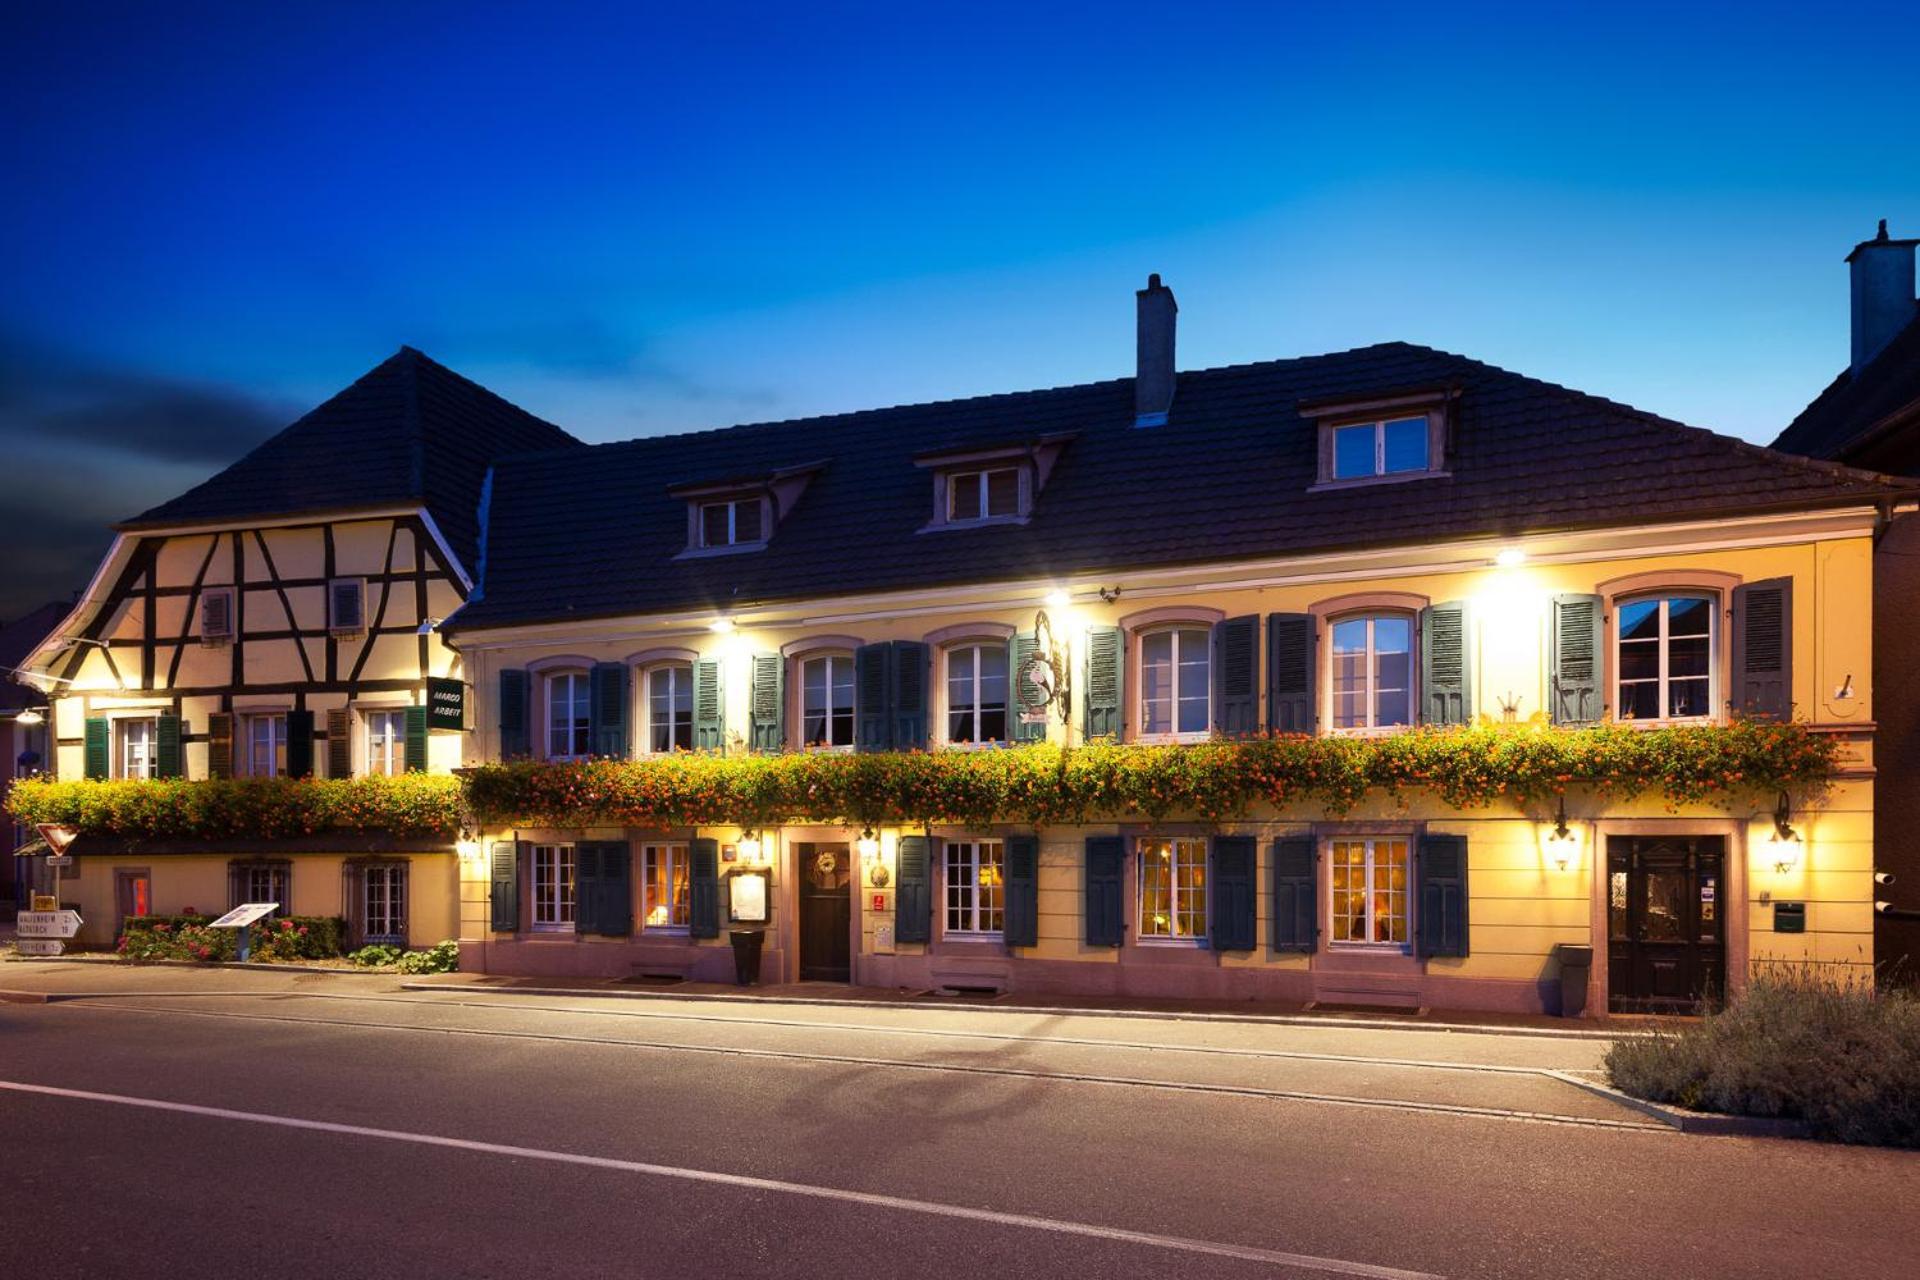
(18, 639)
(1845, 413)
(410, 430)
(595, 532)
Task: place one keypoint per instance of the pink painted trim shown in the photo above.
(814, 644)
(1393, 601)
(961, 631)
(656, 657)
(1199, 615)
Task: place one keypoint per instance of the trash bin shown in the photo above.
(1576, 965)
(746, 954)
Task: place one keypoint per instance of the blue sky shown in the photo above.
(634, 218)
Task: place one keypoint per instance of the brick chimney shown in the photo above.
(1153, 380)
(1883, 301)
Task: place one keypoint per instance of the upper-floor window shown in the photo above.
(266, 744)
(386, 742)
(1173, 887)
(977, 692)
(347, 606)
(989, 494)
(1175, 682)
(1373, 672)
(553, 886)
(216, 614)
(138, 741)
(669, 708)
(1665, 657)
(569, 716)
(1369, 881)
(976, 886)
(1389, 446)
(732, 522)
(826, 700)
(664, 886)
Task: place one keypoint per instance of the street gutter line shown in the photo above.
(1024, 1073)
(711, 1177)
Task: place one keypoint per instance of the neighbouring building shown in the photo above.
(1869, 416)
(279, 620)
(23, 744)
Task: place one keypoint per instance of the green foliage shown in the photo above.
(443, 957)
(187, 937)
(1839, 1055)
(408, 804)
(377, 955)
(1466, 767)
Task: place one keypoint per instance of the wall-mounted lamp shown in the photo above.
(721, 626)
(1561, 843)
(1783, 841)
(30, 717)
(868, 844)
(1110, 594)
(749, 845)
(1510, 558)
(468, 846)
(1058, 598)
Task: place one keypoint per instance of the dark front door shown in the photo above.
(1666, 940)
(826, 913)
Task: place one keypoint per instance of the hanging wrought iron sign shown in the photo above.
(1044, 680)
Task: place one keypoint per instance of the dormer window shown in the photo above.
(1387, 447)
(992, 494)
(989, 484)
(732, 523)
(739, 513)
(1381, 439)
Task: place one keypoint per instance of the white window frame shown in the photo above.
(682, 677)
(124, 747)
(276, 722)
(555, 895)
(834, 660)
(1175, 733)
(391, 758)
(976, 647)
(1373, 869)
(278, 874)
(1181, 850)
(1371, 696)
(393, 906)
(1664, 596)
(977, 479)
(975, 904)
(733, 506)
(584, 684)
(674, 853)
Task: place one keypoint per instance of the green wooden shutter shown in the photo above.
(506, 886)
(1020, 649)
(768, 726)
(872, 683)
(910, 671)
(1440, 876)
(220, 744)
(1022, 922)
(166, 753)
(1236, 677)
(913, 900)
(608, 710)
(516, 731)
(339, 743)
(1579, 626)
(1296, 895)
(1446, 680)
(1105, 685)
(703, 861)
(99, 749)
(603, 883)
(299, 744)
(586, 887)
(709, 708)
(1292, 662)
(1101, 884)
(1763, 649)
(415, 754)
(1233, 912)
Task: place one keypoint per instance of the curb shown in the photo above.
(250, 966)
(1709, 1123)
(1277, 1019)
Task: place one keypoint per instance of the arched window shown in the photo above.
(1372, 671)
(1665, 659)
(569, 716)
(977, 691)
(826, 700)
(667, 702)
(1176, 686)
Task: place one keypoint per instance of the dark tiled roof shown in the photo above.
(18, 639)
(1847, 420)
(410, 431)
(594, 532)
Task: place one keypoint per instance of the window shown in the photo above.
(1666, 658)
(1392, 446)
(663, 886)
(976, 886)
(137, 742)
(1173, 888)
(826, 700)
(347, 606)
(1175, 689)
(386, 742)
(977, 693)
(553, 886)
(569, 716)
(385, 890)
(731, 523)
(670, 708)
(1370, 890)
(216, 615)
(261, 882)
(983, 495)
(267, 745)
(1373, 672)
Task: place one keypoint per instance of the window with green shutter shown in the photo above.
(1291, 664)
(1234, 912)
(1236, 677)
(703, 888)
(416, 749)
(299, 744)
(913, 896)
(167, 761)
(1022, 921)
(607, 727)
(516, 734)
(1446, 676)
(1763, 649)
(1102, 885)
(99, 747)
(505, 888)
(908, 690)
(1573, 667)
(1296, 894)
(1440, 870)
(1105, 684)
(709, 707)
(769, 702)
(873, 682)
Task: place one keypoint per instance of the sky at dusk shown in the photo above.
(634, 219)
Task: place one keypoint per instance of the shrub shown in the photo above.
(408, 804)
(187, 937)
(443, 957)
(1836, 1054)
(377, 955)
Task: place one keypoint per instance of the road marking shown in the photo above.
(1024, 1073)
(711, 1177)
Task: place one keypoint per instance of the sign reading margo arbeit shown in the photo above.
(446, 703)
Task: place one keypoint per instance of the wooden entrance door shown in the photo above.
(1666, 935)
(132, 896)
(826, 913)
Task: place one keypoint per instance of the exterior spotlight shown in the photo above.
(721, 626)
(30, 717)
(1058, 599)
(749, 845)
(1510, 557)
(1561, 843)
(428, 626)
(868, 844)
(1784, 841)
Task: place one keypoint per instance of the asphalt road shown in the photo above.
(231, 1124)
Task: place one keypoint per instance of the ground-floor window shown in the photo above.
(553, 886)
(976, 886)
(385, 903)
(1370, 890)
(261, 882)
(664, 886)
(1173, 887)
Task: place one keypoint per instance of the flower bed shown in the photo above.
(187, 937)
(414, 804)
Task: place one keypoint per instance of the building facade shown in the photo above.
(23, 747)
